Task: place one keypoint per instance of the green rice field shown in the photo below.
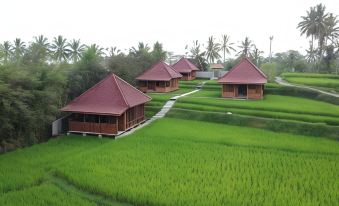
(170, 163)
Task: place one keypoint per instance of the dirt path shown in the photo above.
(280, 81)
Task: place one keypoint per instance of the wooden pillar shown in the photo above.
(246, 91)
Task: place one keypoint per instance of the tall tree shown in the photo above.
(158, 52)
(75, 50)
(270, 55)
(198, 55)
(39, 49)
(60, 49)
(212, 50)
(96, 49)
(6, 49)
(308, 25)
(142, 49)
(113, 51)
(19, 49)
(256, 56)
(226, 45)
(246, 47)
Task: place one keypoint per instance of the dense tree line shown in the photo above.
(38, 78)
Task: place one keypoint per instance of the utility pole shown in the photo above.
(270, 56)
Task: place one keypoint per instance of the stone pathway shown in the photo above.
(169, 104)
(280, 81)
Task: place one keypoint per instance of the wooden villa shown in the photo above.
(244, 80)
(110, 106)
(159, 78)
(186, 69)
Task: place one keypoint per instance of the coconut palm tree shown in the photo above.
(197, 55)
(308, 25)
(7, 50)
(311, 55)
(96, 49)
(40, 48)
(246, 47)
(60, 49)
(256, 55)
(226, 45)
(212, 50)
(75, 49)
(113, 51)
(19, 48)
(142, 49)
(332, 28)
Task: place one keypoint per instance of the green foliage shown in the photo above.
(270, 69)
(181, 162)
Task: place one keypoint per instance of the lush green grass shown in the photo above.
(272, 106)
(327, 81)
(169, 163)
(310, 75)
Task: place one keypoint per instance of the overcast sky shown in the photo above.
(175, 23)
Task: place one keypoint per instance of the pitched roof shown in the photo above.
(244, 72)
(111, 96)
(216, 66)
(184, 66)
(159, 72)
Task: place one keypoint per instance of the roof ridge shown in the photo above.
(134, 88)
(166, 68)
(259, 70)
(122, 94)
(89, 89)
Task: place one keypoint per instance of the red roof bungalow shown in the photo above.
(159, 78)
(110, 106)
(244, 80)
(186, 69)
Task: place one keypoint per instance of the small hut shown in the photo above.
(244, 80)
(110, 106)
(216, 68)
(159, 78)
(186, 69)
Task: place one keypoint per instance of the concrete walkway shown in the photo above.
(280, 81)
(169, 104)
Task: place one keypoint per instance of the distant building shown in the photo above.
(161, 77)
(110, 106)
(216, 70)
(186, 69)
(244, 80)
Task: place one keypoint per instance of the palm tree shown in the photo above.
(226, 45)
(197, 55)
(113, 51)
(256, 56)
(311, 55)
(332, 29)
(212, 50)
(142, 49)
(75, 50)
(40, 48)
(7, 50)
(321, 27)
(308, 25)
(246, 47)
(19, 48)
(60, 49)
(97, 50)
(158, 52)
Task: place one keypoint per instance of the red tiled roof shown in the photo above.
(244, 73)
(159, 72)
(111, 96)
(184, 66)
(216, 66)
